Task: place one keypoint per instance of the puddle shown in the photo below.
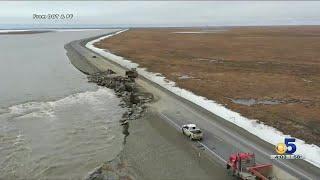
(182, 76)
(209, 60)
(305, 80)
(201, 31)
(185, 77)
(250, 102)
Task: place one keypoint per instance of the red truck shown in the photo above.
(243, 165)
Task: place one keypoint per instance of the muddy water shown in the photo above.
(53, 124)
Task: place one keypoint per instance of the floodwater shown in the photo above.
(53, 123)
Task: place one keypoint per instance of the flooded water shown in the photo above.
(53, 124)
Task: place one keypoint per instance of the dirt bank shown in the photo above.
(277, 67)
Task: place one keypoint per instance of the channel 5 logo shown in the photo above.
(287, 147)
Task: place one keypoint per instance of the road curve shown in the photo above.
(221, 138)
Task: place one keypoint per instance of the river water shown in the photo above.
(53, 123)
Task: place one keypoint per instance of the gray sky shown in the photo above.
(165, 13)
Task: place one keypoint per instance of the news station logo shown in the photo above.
(286, 150)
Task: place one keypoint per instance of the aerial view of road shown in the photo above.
(159, 90)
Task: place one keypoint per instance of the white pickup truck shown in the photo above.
(192, 131)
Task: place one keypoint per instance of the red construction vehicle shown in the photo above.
(243, 165)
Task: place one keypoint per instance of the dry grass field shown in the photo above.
(267, 73)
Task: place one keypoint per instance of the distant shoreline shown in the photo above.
(44, 30)
(16, 32)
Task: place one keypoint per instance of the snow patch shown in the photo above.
(311, 152)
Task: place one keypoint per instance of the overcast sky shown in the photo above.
(166, 13)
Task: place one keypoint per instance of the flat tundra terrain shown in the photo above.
(267, 73)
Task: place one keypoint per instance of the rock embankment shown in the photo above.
(133, 98)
